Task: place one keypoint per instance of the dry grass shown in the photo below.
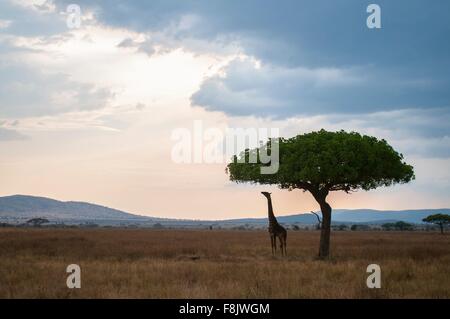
(219, 264)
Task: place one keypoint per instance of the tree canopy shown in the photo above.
(400, 225)
(438, 219)
(37, 221)
(328, 161)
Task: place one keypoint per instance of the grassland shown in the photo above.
(142, 263)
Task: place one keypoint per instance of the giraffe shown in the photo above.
(275, 229)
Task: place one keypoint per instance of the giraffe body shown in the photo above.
(275, 229)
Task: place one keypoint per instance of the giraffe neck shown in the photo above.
(272, 219)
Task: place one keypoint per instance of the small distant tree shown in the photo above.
(37, 222)
(388, 226)
(360, 227)
(401, 225)
(438, 219)
(158, 226)
(323, 162)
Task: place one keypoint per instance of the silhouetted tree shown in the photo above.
(401, 225)
(360, 227)
(322, 162)
(438, 219)
(37, 222)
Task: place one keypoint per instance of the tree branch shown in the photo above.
(304, 185)
(345, 188)
(318, 218)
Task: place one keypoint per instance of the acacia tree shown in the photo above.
(438, 219)
(37, 222)
(322, 162)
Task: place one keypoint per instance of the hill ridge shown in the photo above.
(21, 207)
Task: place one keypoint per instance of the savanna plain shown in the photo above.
(147, 263)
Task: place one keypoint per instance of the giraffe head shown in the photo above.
(267, 194)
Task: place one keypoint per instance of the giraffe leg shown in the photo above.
(281, 246)
(272, 243)
(275, 243)
(285, 251)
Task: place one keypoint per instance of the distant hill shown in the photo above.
(25, 207)
(376, 216)
(347, 216)
(291, 219)
(19, 208)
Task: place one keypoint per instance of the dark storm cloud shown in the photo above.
(403, 65)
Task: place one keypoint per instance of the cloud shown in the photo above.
(26, 87)
(27, 19)
(315, 57)
(292, 32)
(140, 106)
(11, 135)
(176, 35)
(425, 122)
(420, 133)
(4, 23)
(146, 46)
(127, 43)
(26, 91)
(297, 42)
(245, 87)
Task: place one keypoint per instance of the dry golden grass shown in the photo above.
(228, 264)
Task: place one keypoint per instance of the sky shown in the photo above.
(91, 112)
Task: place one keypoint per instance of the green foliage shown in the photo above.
(438, 219)
(360, 227)
(388, 226)
(158, 226)
(36, 222)
(400, 225)
(327, 161)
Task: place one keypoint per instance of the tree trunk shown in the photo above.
(442, 228)
(324, 248)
